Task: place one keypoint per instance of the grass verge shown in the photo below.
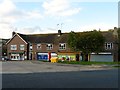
(89, 63)
(117, 66)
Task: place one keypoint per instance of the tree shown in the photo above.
(72, 41)
(118, 44)
(87, 42)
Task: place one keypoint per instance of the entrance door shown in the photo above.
(22, 56)
(77, 57)
(30, 56)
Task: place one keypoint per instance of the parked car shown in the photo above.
(5, 59)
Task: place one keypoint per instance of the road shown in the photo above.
(47, 75)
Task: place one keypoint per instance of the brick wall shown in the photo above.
(44, 49)
(0, 49)
(16, 41)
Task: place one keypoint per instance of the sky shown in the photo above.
(47, 16)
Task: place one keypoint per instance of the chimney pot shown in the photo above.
(115, 28)
(13, 33)
(59, 32)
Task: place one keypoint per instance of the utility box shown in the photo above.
(54, 59)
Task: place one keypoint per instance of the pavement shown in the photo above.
(38, 66)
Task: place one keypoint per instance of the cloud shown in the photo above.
(97, 26)
(59, 8)
(69, 0)
(10, 7)
(5, 13)
(36, 30)
(29, 30)
(34, 14)
(10, 15)
(5, 30)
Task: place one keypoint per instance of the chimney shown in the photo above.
(115, 28)
(59, 32)
(115, 32)
(13, 33)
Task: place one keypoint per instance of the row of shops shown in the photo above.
(43, 56)
(101, 57)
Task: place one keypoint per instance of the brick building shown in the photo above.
(45, 46)
(38, 46)
(110, 50)
(0, 49)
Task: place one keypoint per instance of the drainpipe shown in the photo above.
(49, 56)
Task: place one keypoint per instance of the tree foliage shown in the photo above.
(118, 43)
(87, 42)
(72, 41)
(91, 42)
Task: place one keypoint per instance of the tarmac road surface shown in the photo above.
(27, 74)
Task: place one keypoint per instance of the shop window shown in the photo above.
(17, 57)
(11, 56)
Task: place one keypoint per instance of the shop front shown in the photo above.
(102, 57)
(17, 56)
(42, 56)
(68, 56)
(45, 56)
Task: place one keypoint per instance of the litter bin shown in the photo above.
(54, 59)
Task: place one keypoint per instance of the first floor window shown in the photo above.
(38, 46)
(13, 47)
(31, 47)
(22, 47)
(108, 46)
(49, 46)
(62, 46)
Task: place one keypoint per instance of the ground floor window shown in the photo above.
(67, 57)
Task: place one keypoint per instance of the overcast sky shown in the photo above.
(47, 16)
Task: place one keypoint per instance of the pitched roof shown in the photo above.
(108, 36)
(44, 38)
(4, 41)
(55, 38)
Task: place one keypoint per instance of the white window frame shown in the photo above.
(22, 47)
(31, 47)
(39, 46)
(62, 46)
(0, 45)
(49, 46)
(108, 45)
(13, 47)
